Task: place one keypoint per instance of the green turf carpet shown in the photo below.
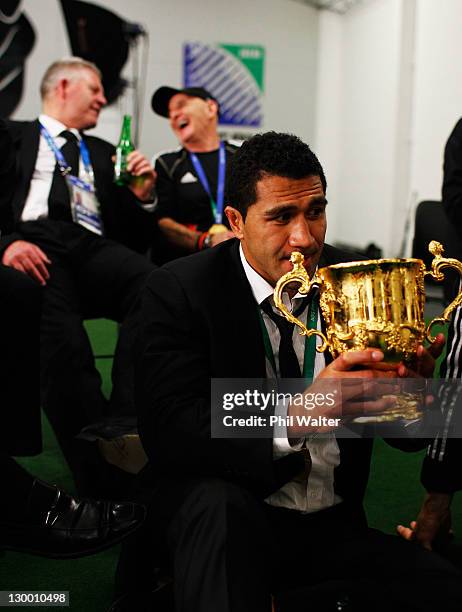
(394, 495)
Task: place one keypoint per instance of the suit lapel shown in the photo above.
(327, 258)
(246, 355)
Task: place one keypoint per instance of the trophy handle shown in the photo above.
(300, 275)
(438, 263)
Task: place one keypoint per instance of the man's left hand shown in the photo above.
(424, 363)
(433, 522)
(144, 176)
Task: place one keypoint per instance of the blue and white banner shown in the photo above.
(234, 76)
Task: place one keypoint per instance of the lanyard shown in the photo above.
(85, 154)
(310, 343)
(62, 163)
(217, 207)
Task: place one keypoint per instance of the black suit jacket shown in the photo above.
(200, 321)
(7, 183)
(124, 219)
(20, 307)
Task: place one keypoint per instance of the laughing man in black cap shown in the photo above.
(191, 179)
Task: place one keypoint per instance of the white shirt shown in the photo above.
(36, 205)
(318, 493)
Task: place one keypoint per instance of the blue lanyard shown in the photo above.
(62, 163)
(217, 207)
(85, 154)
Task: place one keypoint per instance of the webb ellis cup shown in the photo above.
(377, 303)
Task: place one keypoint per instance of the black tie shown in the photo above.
(59, 200)
(288, 361)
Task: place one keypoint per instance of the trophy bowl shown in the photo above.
(376, 303)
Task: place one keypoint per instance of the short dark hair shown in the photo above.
(272, 154)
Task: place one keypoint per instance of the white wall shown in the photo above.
(288, 30)
(438, 91)
(386, 106)
(357, 117)
(329, 88)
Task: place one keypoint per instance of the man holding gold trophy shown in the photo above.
(251, 522)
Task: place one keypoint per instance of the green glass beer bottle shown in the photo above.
(125, 146)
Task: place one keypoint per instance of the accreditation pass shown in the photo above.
(30, 599)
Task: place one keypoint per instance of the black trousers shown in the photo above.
(20, 307)
(16, 484)
(90, 277)
(231, 552)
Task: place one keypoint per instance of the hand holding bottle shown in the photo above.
(142, 175)
(132, 168)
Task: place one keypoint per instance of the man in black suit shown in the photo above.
(241, 518)
(71, 236)
(35, 516)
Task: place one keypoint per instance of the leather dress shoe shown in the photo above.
(57, 525)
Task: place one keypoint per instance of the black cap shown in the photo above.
(162, 96)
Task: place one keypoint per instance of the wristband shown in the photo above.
(201, 241)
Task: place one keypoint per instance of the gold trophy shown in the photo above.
(377, 303)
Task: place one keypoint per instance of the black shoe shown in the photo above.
(57, 525)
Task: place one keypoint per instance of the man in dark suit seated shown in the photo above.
(72, 230)
(35, 516)
(243, 518)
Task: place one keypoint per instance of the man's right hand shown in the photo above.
(28, 258)
(363, 392)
